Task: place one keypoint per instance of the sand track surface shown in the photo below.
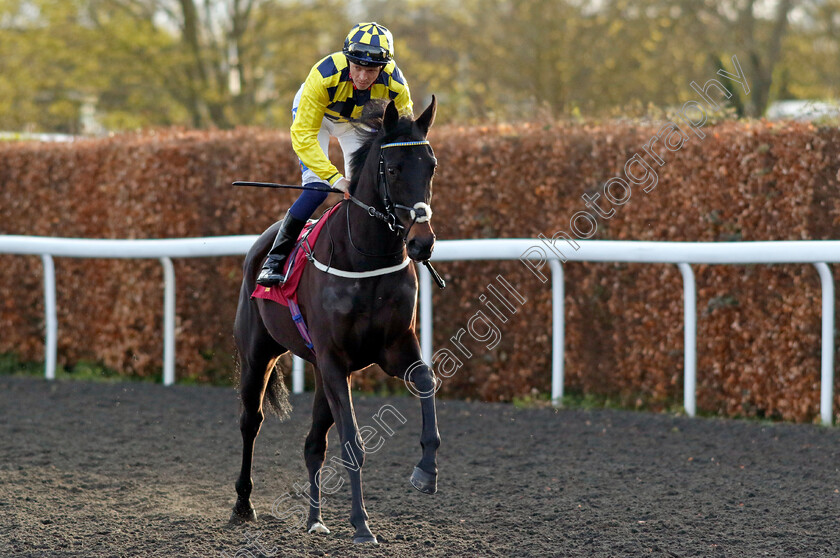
(132, 469)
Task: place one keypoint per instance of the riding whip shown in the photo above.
(290, 186)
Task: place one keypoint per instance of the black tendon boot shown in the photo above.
(271, 273)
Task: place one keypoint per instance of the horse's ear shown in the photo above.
(390, 118)
(427, 118)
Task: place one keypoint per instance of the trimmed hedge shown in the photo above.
(758, 328)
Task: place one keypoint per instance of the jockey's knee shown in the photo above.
(308, 201)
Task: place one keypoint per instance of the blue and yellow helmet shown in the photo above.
(369, 44)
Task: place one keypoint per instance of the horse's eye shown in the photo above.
(392, 171)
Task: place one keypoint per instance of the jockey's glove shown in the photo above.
(342, 184)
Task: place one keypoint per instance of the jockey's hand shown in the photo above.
(342, 184)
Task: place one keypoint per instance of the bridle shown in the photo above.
(421, 212)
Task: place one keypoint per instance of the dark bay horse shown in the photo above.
(353, 321)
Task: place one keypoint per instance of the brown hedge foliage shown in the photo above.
(758, 328)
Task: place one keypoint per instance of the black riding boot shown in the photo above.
(271, 273)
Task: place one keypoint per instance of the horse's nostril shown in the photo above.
(420, 250)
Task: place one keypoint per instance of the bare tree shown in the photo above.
(755, 38)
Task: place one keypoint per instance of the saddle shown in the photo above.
(285, 293)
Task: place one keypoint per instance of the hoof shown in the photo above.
(423, 481)
(240, 518)
(366, 539)
(319, 527)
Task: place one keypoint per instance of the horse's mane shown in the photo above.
(369, 127)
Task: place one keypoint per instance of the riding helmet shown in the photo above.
(369, 44)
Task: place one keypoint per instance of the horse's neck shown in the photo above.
(369, 233)
(371, 244)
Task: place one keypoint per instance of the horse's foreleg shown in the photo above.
(424, 477)
(403, 361)
(315, 451)
(337, 389)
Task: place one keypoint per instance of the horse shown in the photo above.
(353, 322)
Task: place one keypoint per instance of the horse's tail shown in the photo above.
(276, 398)
(277, 394)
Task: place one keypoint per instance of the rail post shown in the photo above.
(50, 317)
(168, 321)
(689, 339)
(297, 374)
(558, 331)
(827, 372)
(425, 280)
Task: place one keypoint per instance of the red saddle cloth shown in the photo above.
(287, 291)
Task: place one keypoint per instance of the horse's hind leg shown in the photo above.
(257, 357)
(315, 452)
(253, 383)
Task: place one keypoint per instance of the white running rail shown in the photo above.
(533, 253)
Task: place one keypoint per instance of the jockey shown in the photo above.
(333, 95)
